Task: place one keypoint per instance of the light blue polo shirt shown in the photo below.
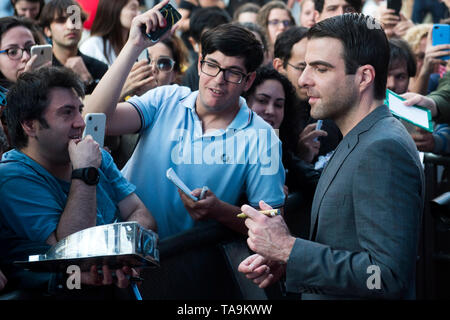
(243, 159)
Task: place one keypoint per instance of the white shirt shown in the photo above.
(94, 47)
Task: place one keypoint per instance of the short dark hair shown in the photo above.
(286, 40)
(356, 4)
(206, 18)
(234, 40)
(401, 51)
(259, 30)
(361, 45)
(57, 8)
(246, 7)
(28, 98)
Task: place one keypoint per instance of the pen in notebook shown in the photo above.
(270, 213)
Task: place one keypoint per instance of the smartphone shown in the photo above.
(441, 35)
(95, 126)
(172, 176)
(44, 54)
(396, 5)
(171, 15)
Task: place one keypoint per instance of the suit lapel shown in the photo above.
(342, 151)
(329, 173)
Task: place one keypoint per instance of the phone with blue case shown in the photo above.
(441, 35)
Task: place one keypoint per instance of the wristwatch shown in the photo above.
(89, 175)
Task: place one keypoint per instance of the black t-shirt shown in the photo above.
(96, 68)
(190, 78)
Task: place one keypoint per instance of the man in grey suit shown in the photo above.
(368, 204)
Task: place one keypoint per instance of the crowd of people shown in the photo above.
(251, 100)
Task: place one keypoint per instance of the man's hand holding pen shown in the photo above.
(268, 236)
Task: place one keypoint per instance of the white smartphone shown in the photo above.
(172, 176)
(95, 126)
(44, 54)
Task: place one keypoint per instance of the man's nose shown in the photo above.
(79, 121)
(304, 80)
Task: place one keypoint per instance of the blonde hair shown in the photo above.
(416, 33)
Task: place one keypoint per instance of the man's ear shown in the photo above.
(365, 77)
(250, 78)
(316, 16)
(278, 65)
(29, 127)
(200, 58)
(194, 44)
(47, 32)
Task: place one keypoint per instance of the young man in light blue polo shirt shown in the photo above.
(209, 137)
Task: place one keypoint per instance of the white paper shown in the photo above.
(172, 176)
(413, 114)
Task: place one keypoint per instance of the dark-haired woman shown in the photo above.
(110, 29)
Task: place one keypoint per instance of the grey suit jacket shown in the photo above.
(365, 217)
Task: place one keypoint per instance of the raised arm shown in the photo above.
(122, 118)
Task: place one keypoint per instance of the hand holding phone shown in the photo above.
(44, 54)
(396, 5)
(171, 15)
(95, 126)
(441, 35)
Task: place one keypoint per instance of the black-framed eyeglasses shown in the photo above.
(165, 64)
(230, 75)
(275, 22)
(16, 53)
(298, 68)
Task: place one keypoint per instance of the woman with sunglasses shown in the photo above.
(274, 17)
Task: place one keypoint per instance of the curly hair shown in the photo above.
(288, 124)
(416, 33)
